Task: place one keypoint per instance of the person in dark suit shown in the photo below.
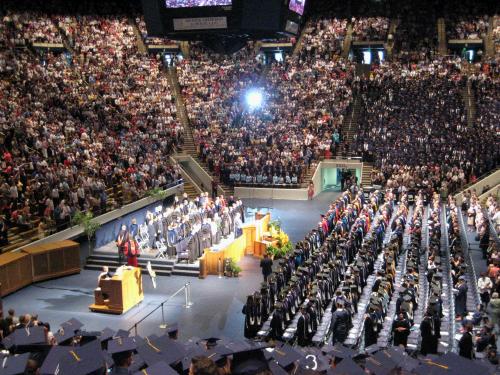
(466, 345)
(267, 266)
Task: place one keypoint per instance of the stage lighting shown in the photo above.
(254, 99)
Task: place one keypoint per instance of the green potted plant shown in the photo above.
(90, 226)
(236, 270)
(157, 193)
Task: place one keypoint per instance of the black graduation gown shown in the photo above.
(466, 346)
(371, 330)
(461, 300)
(277, 324)
(429, 339)
(341, 323)
(302, 330)
(401, 338)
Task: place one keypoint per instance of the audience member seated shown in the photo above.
(464, 27)
(430, 136)
(370, 28)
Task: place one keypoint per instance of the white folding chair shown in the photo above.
(162, 249)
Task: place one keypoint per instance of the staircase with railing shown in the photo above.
(470, 103)
(189, 147)
(346, 48)
(349, 127)
(441, 29)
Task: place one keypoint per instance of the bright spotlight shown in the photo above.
(254, 99)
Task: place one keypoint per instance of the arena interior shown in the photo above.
(319, 199)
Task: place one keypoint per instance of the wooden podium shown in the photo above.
(120, 293)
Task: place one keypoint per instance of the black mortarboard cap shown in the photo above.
(339, 351)
(14, 365)
(106, 334)
(121, 345)
(191, 350)
(67, 331)
(286, 356)
(461, 365)
(347, 367)
(29, 336)
(159, 368)
(313, 360)
(122, 333)
(137, 363)
(72, 325)
(161, 349)
(431, 368)
(372, 349)
(380, 364)
(399, 356)
(276, 369)
(82, 360)
(51, 363)
(249, 362)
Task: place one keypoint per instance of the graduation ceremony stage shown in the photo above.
(217, 302)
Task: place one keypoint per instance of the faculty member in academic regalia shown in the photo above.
(132, 252)
(121, 240)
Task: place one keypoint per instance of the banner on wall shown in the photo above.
(200, 23)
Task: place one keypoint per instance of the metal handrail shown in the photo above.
(186, 287)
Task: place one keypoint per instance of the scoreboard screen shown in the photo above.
(297, 6)
(196, 3)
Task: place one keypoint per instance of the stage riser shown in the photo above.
(162, 267)
(111, 259)
(113, 269)
(100, 263)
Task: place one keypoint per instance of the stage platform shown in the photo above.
(108, 256)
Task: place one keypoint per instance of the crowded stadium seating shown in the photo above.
(93, 128)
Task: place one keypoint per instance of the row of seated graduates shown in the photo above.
(375, 244)
(308, 324)
(430, 326)
(300, 270)
(356, 261)
(374, 317)
(383, 286)
(362, 268)
(457, 262)
(312, 269)
(408, 301)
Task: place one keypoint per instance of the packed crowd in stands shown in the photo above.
(432, 135)
(468, 28)
(276, 144)
(324, 37)
(416, 35)
(112, 124)
(370, 28)
(150, 40)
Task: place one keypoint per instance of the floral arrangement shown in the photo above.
(284, 246)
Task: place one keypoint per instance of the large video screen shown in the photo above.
(297, 6)
(196, 3)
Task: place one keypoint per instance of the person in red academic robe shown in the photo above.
(132, 252)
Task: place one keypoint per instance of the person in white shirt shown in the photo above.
(484, 285)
